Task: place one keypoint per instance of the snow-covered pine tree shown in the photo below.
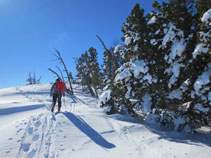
(111, 61)
(89, 72)
(166, 72)
(83, 73)
(108, 66)
(96, 76)
(132, 78)
(201, 80)
(175, 40)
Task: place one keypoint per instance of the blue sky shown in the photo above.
(30, 30)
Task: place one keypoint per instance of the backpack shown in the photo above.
(60, 87)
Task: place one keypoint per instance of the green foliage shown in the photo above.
(203, 6)
(89, 72)
(164, 43)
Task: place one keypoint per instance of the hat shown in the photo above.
(58, 79)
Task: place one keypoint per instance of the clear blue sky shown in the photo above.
(31, 29)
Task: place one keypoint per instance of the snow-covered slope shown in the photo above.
(29, 130)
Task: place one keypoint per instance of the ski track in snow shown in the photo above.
(37, 137)
(83, 130)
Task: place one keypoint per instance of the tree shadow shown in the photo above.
(76, 99)
(12, 110)
(197, 139)
(89, 131)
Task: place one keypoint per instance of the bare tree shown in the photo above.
(111, 54)
(54, 72)
(60, 73)
(60, 59)
(33, 80)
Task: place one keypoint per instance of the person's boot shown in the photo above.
(58, 109)
(52, 107)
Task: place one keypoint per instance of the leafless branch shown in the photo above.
(54, 72)
(60, 72)
(59, 57)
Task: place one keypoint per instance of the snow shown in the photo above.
(127, 95)
(104, 96)
(146, 103)
(171, 36)
(209, 97)
(29, 130)
(200, 48)
(175, 70)
(153, 41)
(206, 17)
(152, 20)
(199, 107)
(148, 77)
(117, 48)
(136, 67)
(203, 79)
(175, 94)
(128, 40)
(178, 121)
(176, 50)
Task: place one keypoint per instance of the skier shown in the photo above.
(57, 90)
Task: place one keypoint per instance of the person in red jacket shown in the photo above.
(57, 90)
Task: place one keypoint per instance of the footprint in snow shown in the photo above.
(36, 137)
(19, 131)
(25, 147)
(30, 130)
(37, 124)
(31, 154)
(10, 139)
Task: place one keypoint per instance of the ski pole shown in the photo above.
(65, 104)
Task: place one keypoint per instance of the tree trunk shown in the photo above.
(65, 69)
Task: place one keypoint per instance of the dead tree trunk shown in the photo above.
(58, 55)
(111, 54)
(54, 72)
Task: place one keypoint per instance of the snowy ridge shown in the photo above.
(83, 130)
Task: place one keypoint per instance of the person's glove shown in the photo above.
(63, 94)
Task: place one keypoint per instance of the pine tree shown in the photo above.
(92, 63)
(89, 72)
(83, 73)
(203, 6)
(136, 35)
(136, 51)
(165, 60)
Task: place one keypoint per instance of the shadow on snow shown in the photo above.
(12, 110)
(89, 131)
(198, 139)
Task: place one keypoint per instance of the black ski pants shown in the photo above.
(59, 98)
